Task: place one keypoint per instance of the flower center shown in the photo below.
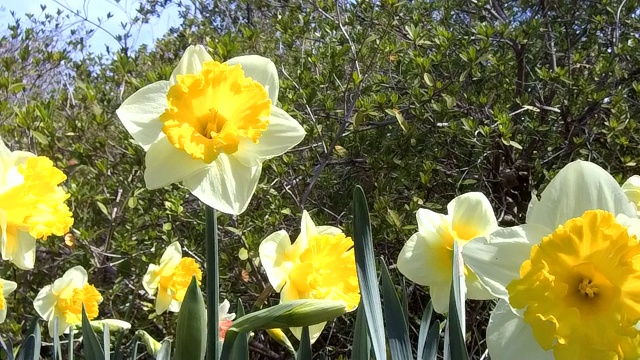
(178, 281)
(71, 307)
(36, 205)
(327, 270)
(211, 112)
(579, 289)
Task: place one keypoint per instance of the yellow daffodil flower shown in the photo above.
(569, 279)
(171, 278)
(225, 319)
(631, 188)
(31, 204)
(320, 264)
(210, 126)
(64, 298)
(6, 288)
(427, 257)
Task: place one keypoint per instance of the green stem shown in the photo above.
(213, 284)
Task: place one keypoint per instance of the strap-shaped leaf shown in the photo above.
(361, 344)
(191, 331)
(7, 347)
(424, 328)
(455, 347)
(304, 351)
(430, 350)
(397, 329)
(165, 351)
(367, 277)
(241, 345)
(91, 346)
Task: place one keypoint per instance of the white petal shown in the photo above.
(45, 302)
(140, 113)
(631, 188)
(74, 278)
(191, 61)
(3, 314)
(273, 257)
(509, 337)
(19, 248)
(283, 133)
(227, 185)
(440, 294)
(497, 260)
(163, 301)
(472, 216)
(8, 287)
(328, 230)
(261, 70)
(223, 309)
(632, 224)
(477, 291)
(308, 229)
(425, 262)
(578, 187)
(166, 164)
(314, 331)
(172, 255)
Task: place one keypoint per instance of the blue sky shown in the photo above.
(94, 9)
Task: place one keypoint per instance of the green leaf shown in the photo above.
(428, 79)
(304, 351)
(295, 313)
(106, 341)
(7, 347)
(165, 351)
(241, 345)
(366, 268)
(401, 121)
(191, 331)
(57, 349)
(431, 344)
(134, 349)
(450, 100)
(91, 347)
(455, 347)
(424, 327)
(70, 345)
(397, 329)
(27, 350)
(361, 344)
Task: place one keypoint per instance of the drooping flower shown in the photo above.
(225, 319)
(320, 264)
(631, 188)
(427, 257)
(569, 279)
(211, 126)
(64, 298)
(6, 288)
(171, 278)
(31, 204)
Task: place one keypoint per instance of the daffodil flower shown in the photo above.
(631, 188)
(320, 264)
(210, 126)
(6, 288)
(170, 279)
(569, 279)
(31, 204)
(427, 257)
(64, 298)
(225, 318)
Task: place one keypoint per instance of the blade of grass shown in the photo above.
(397, 329)
(366, 268)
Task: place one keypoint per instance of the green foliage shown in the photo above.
(191, 331)
(415, 101)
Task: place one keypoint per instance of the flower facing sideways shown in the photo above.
(31, 204)
(6, 288)
(569, 279)
(169, 280)
(64, 298)
(631, 188)
(211, 126)
(320, 264)
(427, 257)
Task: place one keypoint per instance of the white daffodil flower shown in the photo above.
(210, 127)
(169, 280)
(569, 279)
(64, 298)
(320, 264)
(427, 257)
(631, 188)
(6, 288)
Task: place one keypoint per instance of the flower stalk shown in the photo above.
(213, 284)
